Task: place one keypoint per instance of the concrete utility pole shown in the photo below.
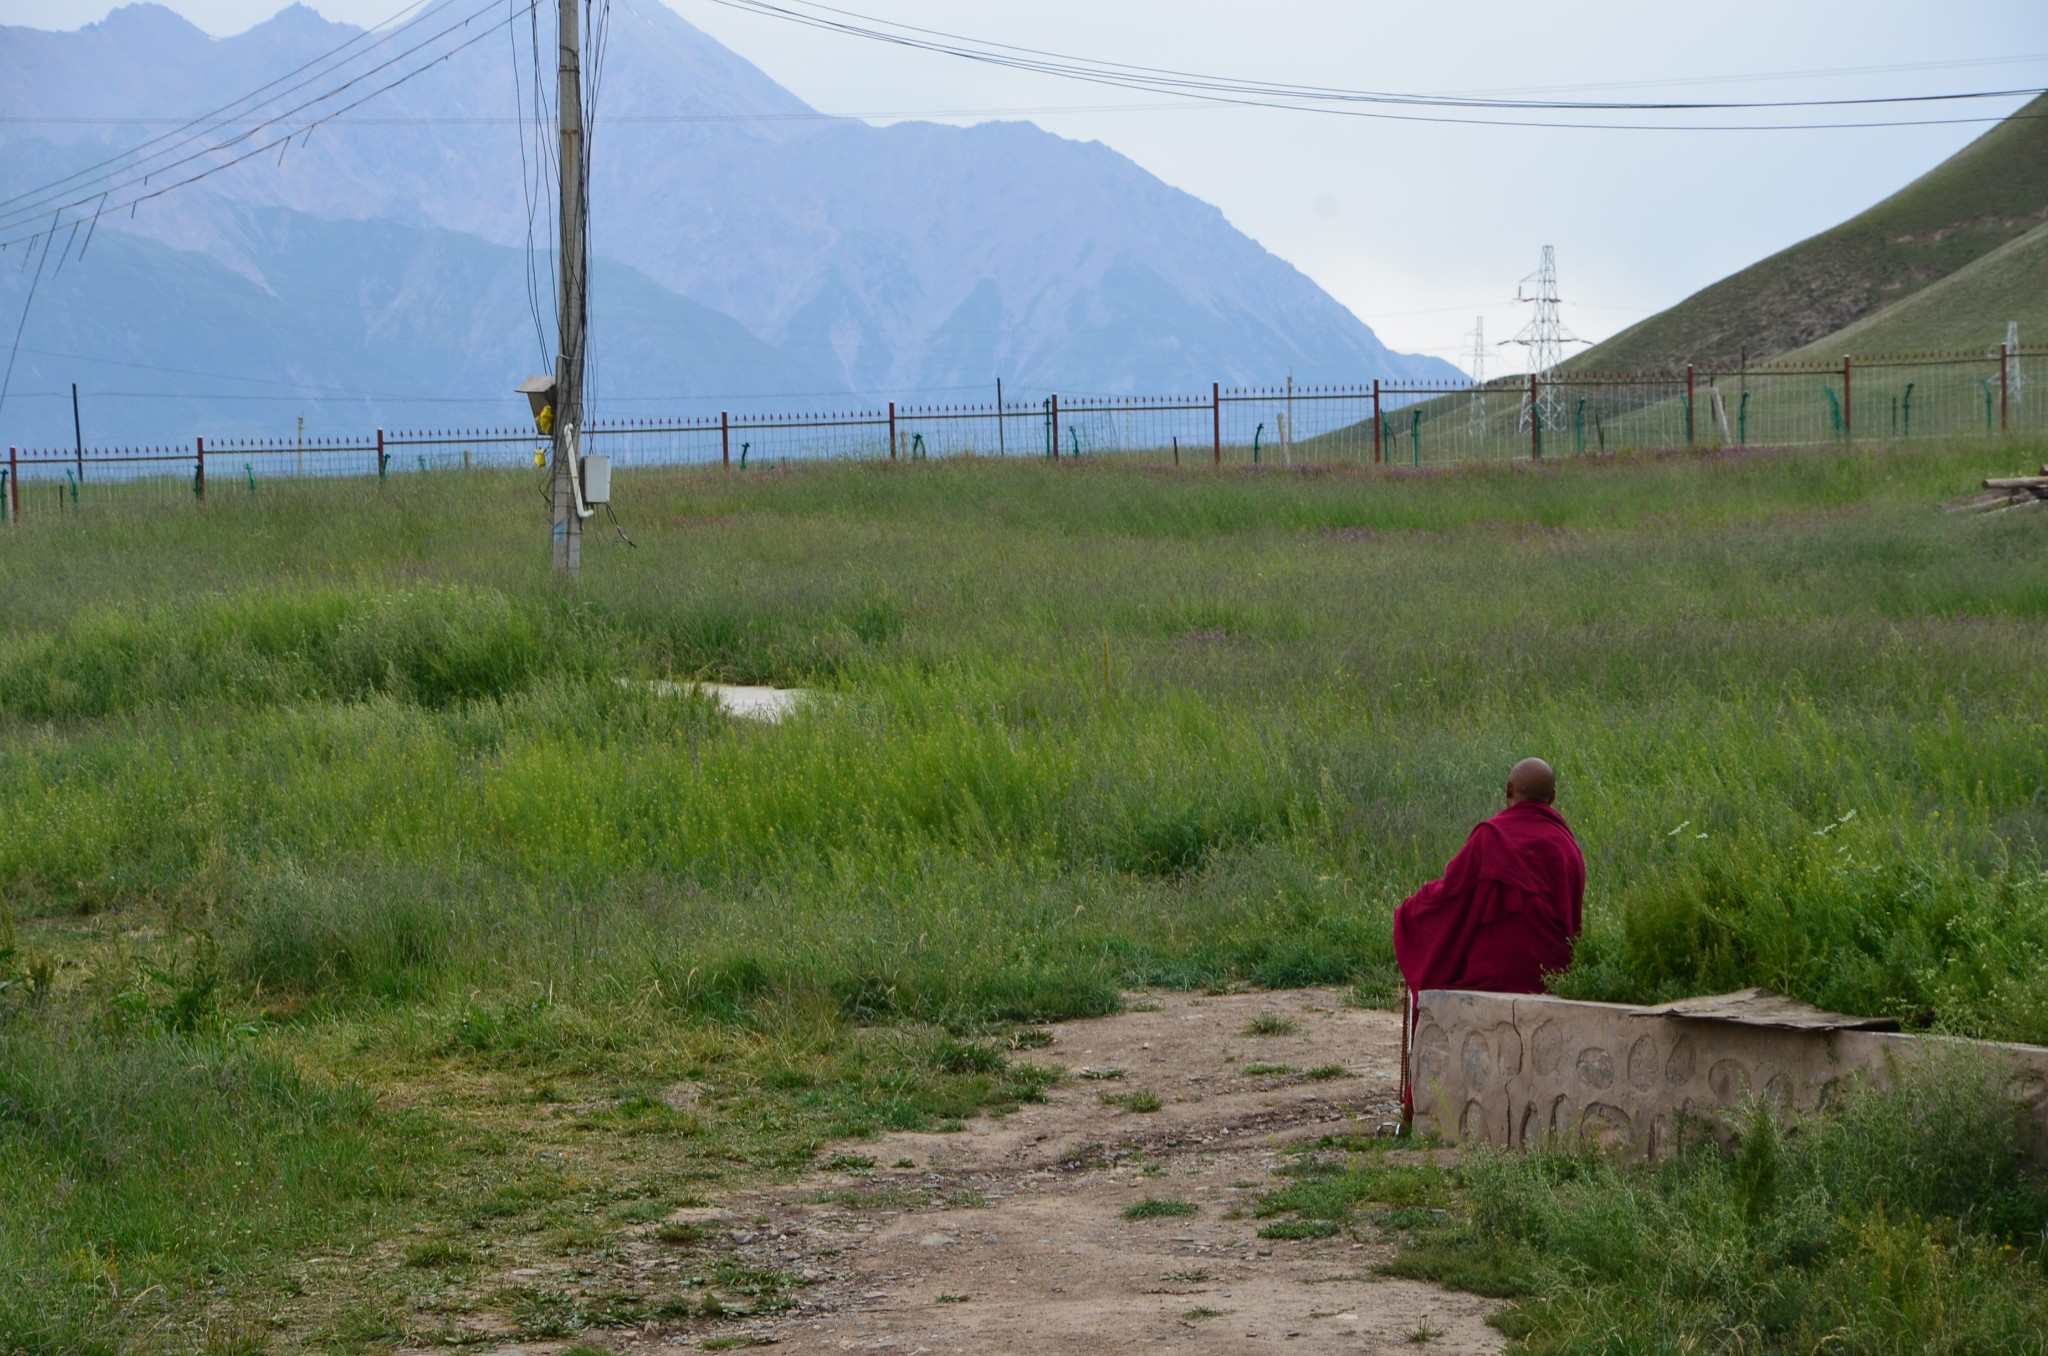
(575, 312)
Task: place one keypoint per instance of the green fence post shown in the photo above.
(1257, 433)
(1834, 408)
(1908, 411)
(1579, 426)
(1986, 384)
(1415, 434)
(1742, 420)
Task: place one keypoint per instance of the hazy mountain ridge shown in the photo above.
(900, 260)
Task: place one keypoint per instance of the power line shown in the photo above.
(1317, 98)
(17, 217)
(216, 117)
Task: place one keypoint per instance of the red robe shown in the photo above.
(1505, 913)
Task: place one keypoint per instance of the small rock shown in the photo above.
(936, 1241)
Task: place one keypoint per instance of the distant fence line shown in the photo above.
(1928, 395)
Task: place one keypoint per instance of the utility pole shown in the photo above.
(575, 313)
(77, 434)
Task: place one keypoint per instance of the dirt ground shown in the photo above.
(1008, 1236)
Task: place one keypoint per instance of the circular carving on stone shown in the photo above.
(1560, 1115)
(1510, 1050)
(1432, 1053)
(1596, 1067)
(1607, 1126)
(1678, 1068)
(1728, 1080)
(1546, 1048)
(1642, 1063)
(2029, 1090)
(1478, 1062)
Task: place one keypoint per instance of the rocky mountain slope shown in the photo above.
(765, 253)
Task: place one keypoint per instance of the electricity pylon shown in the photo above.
(1545, 337)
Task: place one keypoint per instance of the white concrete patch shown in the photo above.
(747, 703)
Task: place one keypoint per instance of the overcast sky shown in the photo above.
(1417, 227)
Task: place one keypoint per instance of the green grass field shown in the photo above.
(336, 852)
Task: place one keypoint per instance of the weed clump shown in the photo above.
(1911, 1219)
(1154, 1208)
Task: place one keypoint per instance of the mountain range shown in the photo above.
(394, 268)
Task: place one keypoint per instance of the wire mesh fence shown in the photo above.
(1413, 424)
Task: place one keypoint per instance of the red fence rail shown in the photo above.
(1911, 395)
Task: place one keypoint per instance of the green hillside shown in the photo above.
(1979, 199)
(1966, 310)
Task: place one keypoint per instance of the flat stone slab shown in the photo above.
(1517, 1070)
(770, 704)
(1767, 1007)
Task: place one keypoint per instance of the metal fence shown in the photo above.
(1884, 398)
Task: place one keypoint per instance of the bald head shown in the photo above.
(1532, 779)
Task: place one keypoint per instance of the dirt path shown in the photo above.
(1009, 1236)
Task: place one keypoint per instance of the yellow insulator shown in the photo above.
(540, 457)
(545, 420)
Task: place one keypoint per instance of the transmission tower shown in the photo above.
(1477, 418)
(1545, 337)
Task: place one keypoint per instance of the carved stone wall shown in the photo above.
(1513, 1070)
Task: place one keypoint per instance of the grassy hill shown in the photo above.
(1988, 195)
(1966, 310)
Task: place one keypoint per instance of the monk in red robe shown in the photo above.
(1507, 910)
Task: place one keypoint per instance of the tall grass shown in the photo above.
(1078, 728)
(141, 1169)
(1907, 1221)
(1086, 727)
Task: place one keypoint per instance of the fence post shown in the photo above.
(1848, 406)
(381, 460)
(1689, 396)
(725, 440)
(1379, 451)
(2004, 388)
(13, 487)
(1216, 418)
(199, 476)
(892, 430)
(1535, 422)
